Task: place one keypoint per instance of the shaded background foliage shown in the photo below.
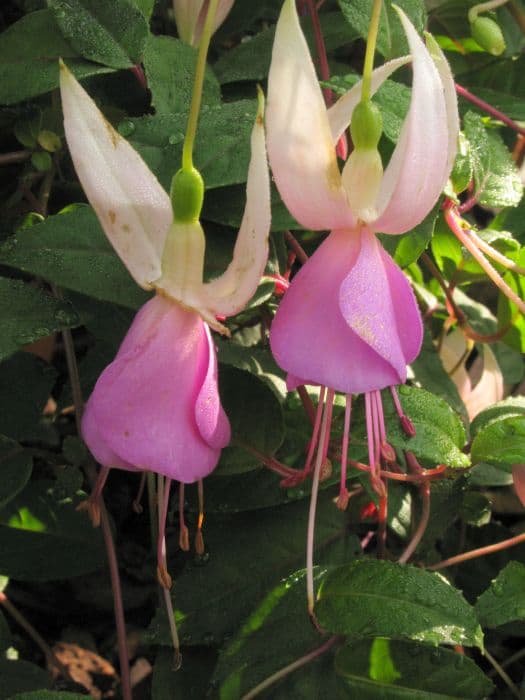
(241, 606)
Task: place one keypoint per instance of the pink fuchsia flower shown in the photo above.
(156, 407)
(190, 16)
(349, 321)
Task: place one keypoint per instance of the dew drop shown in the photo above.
(175, 138)
(126, 127)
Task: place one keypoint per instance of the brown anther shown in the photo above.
(93, 510)
(177, 660)
(199, 543)
(342, 499)
(184, 539)
(408, 426)
(388, 453)
(163, 577)
(326, 470)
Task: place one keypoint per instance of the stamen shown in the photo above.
(496, 255)
(370, 430)
(344, 495)
(137, 506)
(405, 421)
(92, 502)
(323, 442)
(184, 538)
(199, 539)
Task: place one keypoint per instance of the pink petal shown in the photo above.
(133, 209)
(300, 147)
(518, 476)
(230, 292)
(144, 406)
(310, 338)
(340, 113)
(377, 303)
(420, 164)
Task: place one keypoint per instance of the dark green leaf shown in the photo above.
(504, 600)
(170, 69)
(256, 420)
(112, 34)
(47, 695)
(189, 682)
(508, 408)
(15, 467)
(50, 535)
(71, 250)
(5, 635)
(25, 386)
(29, 314)
(369, 597)
(502, 441)
(391, 38)
(406, 249)
(407, 670)
(256, 360)
(496, 178)
(20, 676)
(501, 84)
(29, 53)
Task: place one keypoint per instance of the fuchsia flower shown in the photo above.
(349, 321)
(190, 16)
(156, 406)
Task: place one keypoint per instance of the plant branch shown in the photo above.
(480, 552)
(489, 109)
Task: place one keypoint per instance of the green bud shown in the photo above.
(187, 195)
(41, 161)
(487, 33)
(49, 141)
(366, 125)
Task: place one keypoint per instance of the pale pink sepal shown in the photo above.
(299, 140)
(156, 406)
(230, 292)
(489, 389)
(340, 113)
(132, 207)
(453, 354)
(417, 171)
(518, 477)
(311, 339)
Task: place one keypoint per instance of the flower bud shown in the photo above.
(366, 126)
(187, 195)
(487, 33)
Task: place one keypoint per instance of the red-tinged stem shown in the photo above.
(422, 526)
(184, 536)
(424, 475)
(296, 247)
(286, 670)
(480, 552)
(308, 404)
(489, 109)
(503, 675)
(324, 69)
(137, 505)
(24, 623)
(344, 495)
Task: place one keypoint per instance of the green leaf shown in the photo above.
(112, 34)
(170, 70)
(501, 442)
(15, 467)
(496, 179)
(508, 313)
(501, 84)
(213, 595)
(47, 695)
(417, 671)
(189, 682)
(40, 539)
(29, 314)
(256, 420)
(406, 249)
(71, 250)
(504, 600)
(508, 408)
(20, 676)
(391, 40)
(370, 597)
(29, 53)
(440, 435)
(250, 657)
(256, 360)
(25, 386)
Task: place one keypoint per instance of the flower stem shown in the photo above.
(480, 552)
(484, 7)
(503, 675)
(489, 109)
(370, 50)
(196, 97)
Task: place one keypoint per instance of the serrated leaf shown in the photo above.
(36, 525)
(29, 51)
(112, 34)
(20, 676)
(170, 70)
(440, 435)
(391, 39)
(496, 178)
(15, 466)
(502, 441)
(71, 250)
(417, 671)
(29, 314)
(508, 408)
(370, 597)
(256, 420)
(504, 600)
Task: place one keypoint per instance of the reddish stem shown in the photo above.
(489, 109)
(480, 552)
